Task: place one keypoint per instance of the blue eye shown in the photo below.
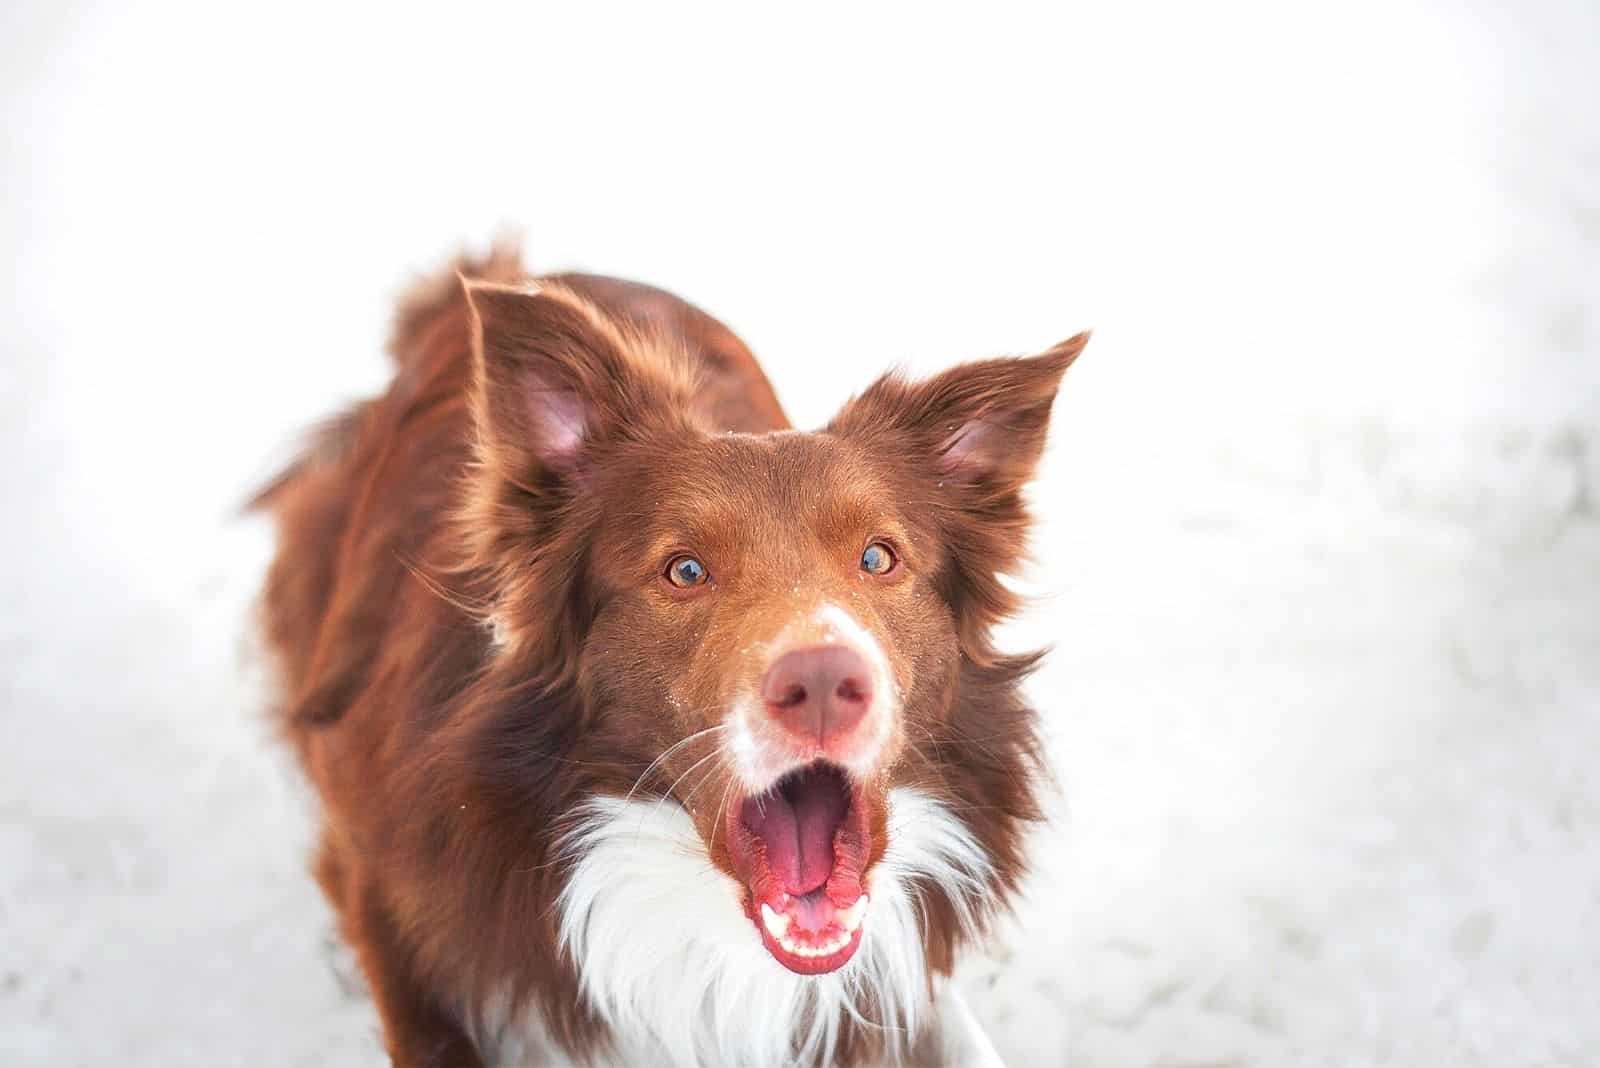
(686, 571)
(878, 559)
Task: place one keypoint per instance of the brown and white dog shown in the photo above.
(646, 728)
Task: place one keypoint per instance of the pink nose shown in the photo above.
(818, 693)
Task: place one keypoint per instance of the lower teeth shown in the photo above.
(815, 951)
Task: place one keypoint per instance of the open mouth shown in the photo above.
(802, 849)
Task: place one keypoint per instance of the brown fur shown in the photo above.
(448, 763)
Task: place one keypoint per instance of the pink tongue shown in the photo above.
(797, 826)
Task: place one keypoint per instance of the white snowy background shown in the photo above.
(1320, 539)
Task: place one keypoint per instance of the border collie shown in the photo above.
(648, 729)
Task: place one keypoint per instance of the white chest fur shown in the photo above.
(669, 960)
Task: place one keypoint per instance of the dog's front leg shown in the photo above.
(418, 1031)
(964, 1044)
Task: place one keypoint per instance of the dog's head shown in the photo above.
(772, 630)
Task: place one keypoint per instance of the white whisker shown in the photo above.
(673, 748)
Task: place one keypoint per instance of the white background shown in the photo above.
(1319, 549)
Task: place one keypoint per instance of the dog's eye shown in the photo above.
(686, 571)
(878, 559)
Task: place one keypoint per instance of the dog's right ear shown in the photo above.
(553, 383)
(556, 385)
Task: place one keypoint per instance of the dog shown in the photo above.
(646, 728)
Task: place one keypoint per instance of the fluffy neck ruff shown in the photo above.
(667, 958)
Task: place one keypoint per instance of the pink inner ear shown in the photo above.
(968, 450)
(559, 416)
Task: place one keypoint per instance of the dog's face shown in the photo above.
(771, 628)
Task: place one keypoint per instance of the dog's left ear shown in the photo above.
(980, 425)
(974, 435)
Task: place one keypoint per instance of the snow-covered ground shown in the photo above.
(1320, 542)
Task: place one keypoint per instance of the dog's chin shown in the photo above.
(801, 849)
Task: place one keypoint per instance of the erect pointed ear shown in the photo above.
(980, 425)
(972, 436)
(555, 379)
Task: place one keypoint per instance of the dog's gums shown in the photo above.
(647, 728)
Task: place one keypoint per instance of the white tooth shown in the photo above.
(852, 915)
(777, 924)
